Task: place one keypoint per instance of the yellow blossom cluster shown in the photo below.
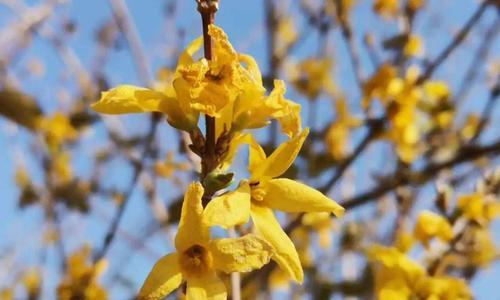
(228, 87)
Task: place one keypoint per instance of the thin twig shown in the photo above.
(479, 57)
(126, 25)
(459, 38)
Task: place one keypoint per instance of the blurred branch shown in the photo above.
(126, 25)
(478, 58)
(457, 40)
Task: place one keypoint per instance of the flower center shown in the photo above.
(196, 261)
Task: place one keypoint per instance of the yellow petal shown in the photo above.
(242, 254)
(126, 99)
(284, 251)
(430, 225)
(165, 277)
(252, 67)
(292, 196)
(257, 157)
(230, 209)
(186, 57)
(281, 159)
(208, 287)
(192, 229)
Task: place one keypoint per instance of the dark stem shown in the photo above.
(459, 38)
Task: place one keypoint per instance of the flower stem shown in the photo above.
(207, 9)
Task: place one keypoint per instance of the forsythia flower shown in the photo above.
(482, 250)
(430, 225)
(312, 76)
(57, 129)
(386, 8)
(263, 193)
(414, 46)
(198, 257)
(167, 167)
(80, 281)
(286, 35)
(479, 208)
(471, 127)
(399, 277)
(337, 136)
(228, 87)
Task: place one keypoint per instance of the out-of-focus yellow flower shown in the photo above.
(399, 277)
(415, 5)
(442, 287)
(431, 225)
(198, 257)
(267, 193)
(32, 281)
(312, 76)
(286, 35)
(482, 250)
(404, 241)
(337, 136)
(377, 86)
(80, 281)
(301, 238)
(61, 165)
(414, 46)
(386, 8)
(340, 9)
(479, 208)
(436, 103)
(279, 280)
(56, 129)
(322, 223)
(395, 273)
(7, 294)
(167, 167)
(471, 127)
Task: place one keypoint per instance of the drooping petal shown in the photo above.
(252, 67)
(192, 229)
(230, 209)
(242, 254)
(292, 196)
(208, 287)
(165, 277)
(281, 159)
(186, 57)
(285, 253)
(126, 99)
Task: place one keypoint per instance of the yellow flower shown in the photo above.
(312, 76)
(337, 136)
(482, 251)
(471, 127)
(7, 294)
(267, 193)
(198, 257)
(80, 281)
(415, 5)
(436, 103)
(253, 109)
(386, 8)
(395, 273)
(322, 223)
(399, 277)
(377, 86)
(61, 166)
(286, 35)
(127, 99)
(56, 129)
(167, 167)
(479, 208)
(32, 280)
(442, 287)
(430, 225)
(404, 241)
(414, 46)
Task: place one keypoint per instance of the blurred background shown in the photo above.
(57, 56)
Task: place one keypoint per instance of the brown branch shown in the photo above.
(459, 38)
(124, 21)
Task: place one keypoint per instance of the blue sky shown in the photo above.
(243, 21)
